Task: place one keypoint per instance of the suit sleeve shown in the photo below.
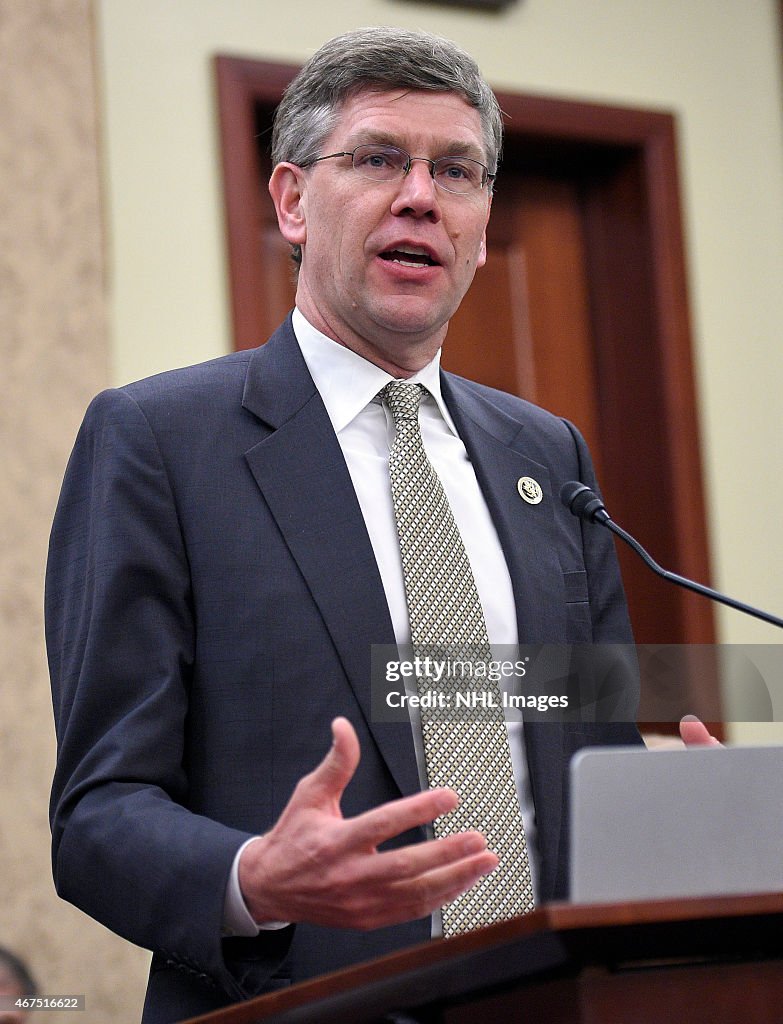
(121, 641)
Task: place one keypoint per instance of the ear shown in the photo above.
(482, 256)
(286, 187)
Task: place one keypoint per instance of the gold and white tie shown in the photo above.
(469, 751)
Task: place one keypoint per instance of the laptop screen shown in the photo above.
(660, 824)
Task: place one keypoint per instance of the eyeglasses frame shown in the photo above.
(489, 177)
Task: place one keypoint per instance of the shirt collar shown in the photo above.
(347, 382)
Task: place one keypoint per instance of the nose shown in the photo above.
(417, 193)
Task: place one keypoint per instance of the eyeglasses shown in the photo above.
(457, 174)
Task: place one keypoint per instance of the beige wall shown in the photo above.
(54, 357)
(154, 275)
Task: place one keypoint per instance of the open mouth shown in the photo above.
(409, 257)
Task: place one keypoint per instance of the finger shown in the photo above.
(695, 733)
(364, 905)
(417, 859)
(325, 784)
(445, 884)
(429, 892)
(374, 827)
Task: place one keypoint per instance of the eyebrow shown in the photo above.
(453, 148)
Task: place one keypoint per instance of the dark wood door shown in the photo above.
(525, 325)
(580, 308)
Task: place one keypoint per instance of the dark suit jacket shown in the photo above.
(212, 599)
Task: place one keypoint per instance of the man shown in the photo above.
(224, 558)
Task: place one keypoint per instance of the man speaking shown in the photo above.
(233, 539)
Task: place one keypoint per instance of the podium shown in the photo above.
(708, 960)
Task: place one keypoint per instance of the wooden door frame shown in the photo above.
(639, 299)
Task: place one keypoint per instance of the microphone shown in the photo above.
(585, 504)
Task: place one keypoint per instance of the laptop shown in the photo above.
(670, 823)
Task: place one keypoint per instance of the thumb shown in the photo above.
(332, 775)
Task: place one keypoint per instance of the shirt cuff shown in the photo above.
(237, 920)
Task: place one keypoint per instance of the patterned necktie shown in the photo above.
(467, 751)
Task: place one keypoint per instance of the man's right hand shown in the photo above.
(317, 866)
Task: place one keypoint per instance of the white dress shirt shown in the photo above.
(349, 386)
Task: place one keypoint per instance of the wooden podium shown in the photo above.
(695, 960)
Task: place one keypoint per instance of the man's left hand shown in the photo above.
(695, 733)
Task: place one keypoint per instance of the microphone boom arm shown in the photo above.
(683, 581)
(585, 504)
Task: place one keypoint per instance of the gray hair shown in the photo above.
(387, 58)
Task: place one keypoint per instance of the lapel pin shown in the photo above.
(530, 490)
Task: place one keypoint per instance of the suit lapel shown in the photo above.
(300, 470)
(527, 534)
